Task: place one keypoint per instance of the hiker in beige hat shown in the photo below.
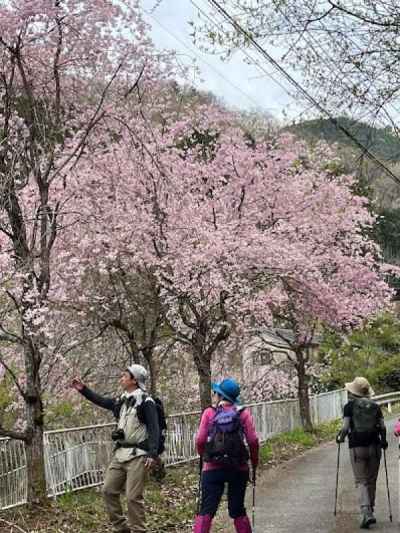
(360, 388)
(364, 425)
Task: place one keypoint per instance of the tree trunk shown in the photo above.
(35, 426)
(203, 365)
(153, 370)
(304, 399)
(37, 492)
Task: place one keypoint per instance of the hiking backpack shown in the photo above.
(365, 415)
(225, 443)
(162, 424)
(162, 420)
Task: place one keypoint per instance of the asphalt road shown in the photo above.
(299, 496)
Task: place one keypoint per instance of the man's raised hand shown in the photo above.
(77, 384)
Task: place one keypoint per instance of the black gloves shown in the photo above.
(340, 437)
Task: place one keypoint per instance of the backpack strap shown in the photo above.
(130, 402)
(147, 398)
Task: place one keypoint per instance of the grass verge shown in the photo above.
(170, 505)
(288, 445)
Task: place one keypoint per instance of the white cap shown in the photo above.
(140, 374)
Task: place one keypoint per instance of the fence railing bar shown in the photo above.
(76, 458)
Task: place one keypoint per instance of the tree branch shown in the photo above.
(14, 377)
(17, 435)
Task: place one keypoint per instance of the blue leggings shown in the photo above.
(212, 489)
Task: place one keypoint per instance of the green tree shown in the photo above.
(372, 351)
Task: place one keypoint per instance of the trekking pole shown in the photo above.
(387, 486)
(337, 478)
(253, 511)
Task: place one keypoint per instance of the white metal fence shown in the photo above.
(13, 483)
(76, 458)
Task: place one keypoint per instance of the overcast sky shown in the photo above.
(239, 84)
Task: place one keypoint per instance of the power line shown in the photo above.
(155, 7)
(256, 63)
(312, 43)
(260, 67)
(335, 67)
(326, 30)
(244, 52)
(214, 69)
(217, 6)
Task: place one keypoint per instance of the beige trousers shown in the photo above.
(365, 463)
(132, 475)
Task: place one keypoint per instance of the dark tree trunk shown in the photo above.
(37, 492)
(35, 427)
(304, 399)
(204, 341)
(153, 370)
(203, 365)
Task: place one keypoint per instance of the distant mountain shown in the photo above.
(380, 141)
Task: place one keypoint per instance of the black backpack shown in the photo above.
(162, 424)
(162, 420)
(225, 443)
(365, 416)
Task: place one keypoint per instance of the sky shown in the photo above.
(239, 84)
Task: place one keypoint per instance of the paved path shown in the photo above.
(299, 496)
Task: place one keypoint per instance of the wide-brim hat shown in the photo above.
(360, 387)
(228, 388)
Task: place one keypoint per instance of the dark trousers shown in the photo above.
(212, 489)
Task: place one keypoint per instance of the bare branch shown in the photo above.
(359, 16)
(13, 376)
(135, 85)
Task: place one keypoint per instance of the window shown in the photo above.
(263, 356)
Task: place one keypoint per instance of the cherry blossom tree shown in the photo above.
(63, 66)
(230, 228)
(339, 282)
(128, 303)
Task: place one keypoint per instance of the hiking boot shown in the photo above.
(371, 515)
(202, 524)
(366, 521)
(242, 524)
